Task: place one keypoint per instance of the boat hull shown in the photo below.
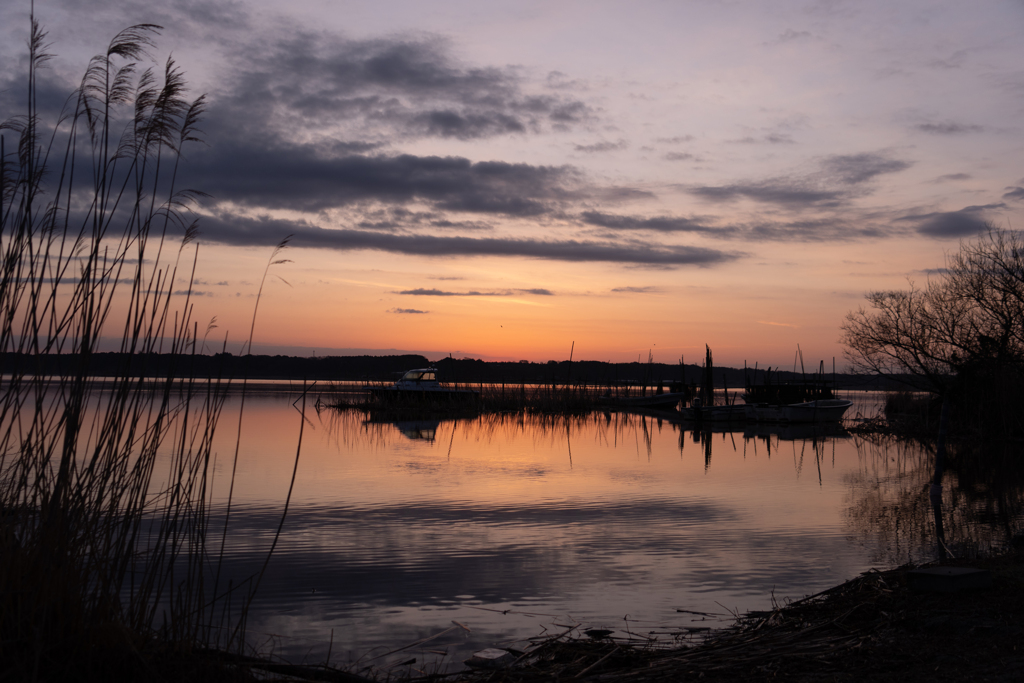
(822, 410)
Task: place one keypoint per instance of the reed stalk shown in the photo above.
(105, 492)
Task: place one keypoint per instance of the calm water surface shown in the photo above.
(511, 526)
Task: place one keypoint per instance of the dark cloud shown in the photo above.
(300, 178)
(452, 124)
(953, 176)
(445, 224)
(667, 224)
(948, 128)
(235, 230)
(94, 22)
(771, 138)
(621, 194)
(253, 161)
(305, 117)
(568, 113)
(384, 87)
(817, 230)
(814, 230)
(434, 292)
(602, 147)
(858, 168)
(287, 80)
(504, 292)
(952, 224)
(52, 96)
(438, 292)
(1014, 193)
(407, 310)
(311, 122)
(345, 147)
(635, 290)
(837, 180)
(772, 192)
(966, 222)
(395, 218)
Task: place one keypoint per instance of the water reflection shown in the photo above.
(507, 523)
(895, 506)
(418, 429)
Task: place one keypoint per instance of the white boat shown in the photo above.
(422, 379)
(822, 410)
(418, 384)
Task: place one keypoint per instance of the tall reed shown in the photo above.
(100, 557)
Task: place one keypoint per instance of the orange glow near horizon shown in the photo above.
(354, 300)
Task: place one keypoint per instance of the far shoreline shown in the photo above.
(273, 370)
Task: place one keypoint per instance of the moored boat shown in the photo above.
(421, 384)
(821, 410)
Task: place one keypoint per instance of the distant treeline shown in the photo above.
(223, 365)
(387, 368)
(601, 373)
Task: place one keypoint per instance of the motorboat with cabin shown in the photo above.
(421, 384)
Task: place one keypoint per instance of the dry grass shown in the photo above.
(109, 562)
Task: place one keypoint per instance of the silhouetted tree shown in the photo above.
(962, 333)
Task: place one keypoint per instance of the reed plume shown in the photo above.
(102, 557)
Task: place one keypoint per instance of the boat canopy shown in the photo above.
(421, 375)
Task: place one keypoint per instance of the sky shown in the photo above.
(525, 180)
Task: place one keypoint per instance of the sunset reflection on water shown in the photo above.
(508, 524)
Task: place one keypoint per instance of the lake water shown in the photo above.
(493, 530)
